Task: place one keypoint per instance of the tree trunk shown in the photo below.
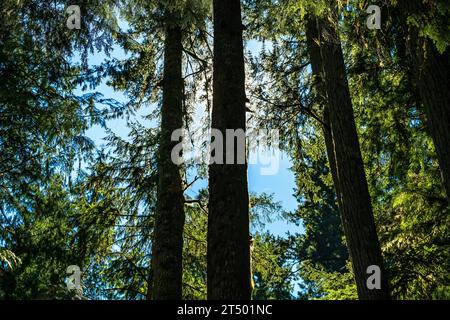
(169, 218)
(228, 220)
(351, 184)
(149, 293)
(431, 70)
(312, 38)
(433, 74)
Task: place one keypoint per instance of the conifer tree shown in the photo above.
(228, 219)
(350, 179)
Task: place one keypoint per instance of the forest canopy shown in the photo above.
(354, 93)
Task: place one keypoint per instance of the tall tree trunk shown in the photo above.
(350, 181)
(433, 74)
(149, 293)
(169, 218)
(228, 220)
(312, 38)
(431, 70)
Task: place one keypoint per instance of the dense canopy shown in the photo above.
(363, 115)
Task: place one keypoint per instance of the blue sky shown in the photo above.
(281, 185)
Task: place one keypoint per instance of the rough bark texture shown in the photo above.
(312, 38)
(228, 221)
(149, 292)
(431, 70)
(351, 184)
(433, 76)
(169, 217)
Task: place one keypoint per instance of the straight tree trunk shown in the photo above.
(431, 70)
(228, 221)
(148, 294)
(433, 75)
(350, 181)
(169, 218)
(312, 38)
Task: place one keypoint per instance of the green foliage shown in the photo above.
(399, 156)
(274, 272)
(42, 125)
(337, 285)
(401, 163)
(64, 202)
(272, 269)
(9, 258)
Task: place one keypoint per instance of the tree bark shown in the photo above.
(169, 217)
(350, 179)
(312, 39)
(431, 70)
(228, 221)
(433, 74)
